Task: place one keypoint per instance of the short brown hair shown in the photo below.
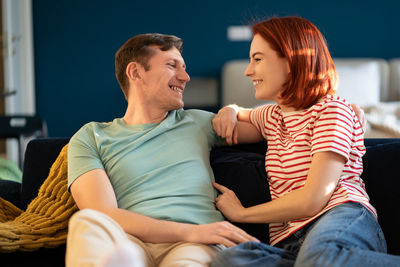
(140, 48)
(312, 72)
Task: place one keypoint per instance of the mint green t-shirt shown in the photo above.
(159, 170)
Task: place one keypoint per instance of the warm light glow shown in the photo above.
(330, 188)
(304, 52)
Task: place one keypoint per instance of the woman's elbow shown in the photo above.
(312, 207)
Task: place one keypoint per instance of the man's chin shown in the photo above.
(178, 106)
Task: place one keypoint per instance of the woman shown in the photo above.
(320, 212)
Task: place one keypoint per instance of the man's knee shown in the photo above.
(89, 222)
(188, 254)
(87, 215)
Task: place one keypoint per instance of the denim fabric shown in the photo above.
(346, 235)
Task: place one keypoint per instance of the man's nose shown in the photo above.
(183, 76)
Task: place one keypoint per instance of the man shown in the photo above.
(143, 182)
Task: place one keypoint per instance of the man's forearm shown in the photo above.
(149, 229)
(159, 231)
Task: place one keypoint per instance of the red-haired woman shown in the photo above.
(320, 214)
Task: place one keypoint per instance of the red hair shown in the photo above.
(312, 72)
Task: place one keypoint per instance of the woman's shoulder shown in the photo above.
(333, 102)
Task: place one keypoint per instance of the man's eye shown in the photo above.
(172, 65)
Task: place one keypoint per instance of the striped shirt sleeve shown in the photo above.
(260, 116)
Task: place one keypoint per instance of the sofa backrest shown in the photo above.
(361, 80)
(394, 81)
(40, 155)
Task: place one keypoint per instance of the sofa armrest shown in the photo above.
(40, 155)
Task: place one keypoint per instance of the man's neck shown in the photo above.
(139, 114)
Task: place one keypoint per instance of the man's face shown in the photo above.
(165, 80)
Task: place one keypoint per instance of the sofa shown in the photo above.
(240, 168)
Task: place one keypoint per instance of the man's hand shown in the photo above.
(228, 203)
(223, 233)
(360, 115)
(225, 122)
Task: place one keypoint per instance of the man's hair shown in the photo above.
(140, 48)
(312, 72)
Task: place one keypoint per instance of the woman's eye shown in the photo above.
(257, 59)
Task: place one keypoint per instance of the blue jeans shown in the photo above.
(346, 235)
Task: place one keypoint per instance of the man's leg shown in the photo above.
(346, 235)
(182, 254)
(94, 239)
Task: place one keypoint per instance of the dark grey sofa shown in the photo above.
(241, 168)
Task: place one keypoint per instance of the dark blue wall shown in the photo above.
(75, 42)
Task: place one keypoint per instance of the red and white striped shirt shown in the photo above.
(293, 137)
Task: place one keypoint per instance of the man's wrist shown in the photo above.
(186, 232)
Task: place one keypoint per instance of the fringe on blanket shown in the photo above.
(384, 117)
(44, 223)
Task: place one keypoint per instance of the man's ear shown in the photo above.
(133, 71)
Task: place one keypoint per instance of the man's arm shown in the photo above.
(93, 190)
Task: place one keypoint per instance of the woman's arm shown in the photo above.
(233, 124)
(322, 179)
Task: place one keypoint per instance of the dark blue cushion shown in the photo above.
(382, 181)
(11, 191)
(242, 169)
(40, 155)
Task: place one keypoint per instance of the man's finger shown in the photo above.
(226, 242)
(237, 236)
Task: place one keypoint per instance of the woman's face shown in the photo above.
(267, 70)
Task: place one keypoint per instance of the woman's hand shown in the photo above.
(225, 124)
(360, 115)
(228, 203)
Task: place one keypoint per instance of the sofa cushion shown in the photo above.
(10, 191)
(40, 154)
(242, 170)
(381, 173)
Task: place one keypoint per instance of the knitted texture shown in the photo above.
(44, 223)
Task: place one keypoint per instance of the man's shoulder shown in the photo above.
(196, 113)
(89, 129)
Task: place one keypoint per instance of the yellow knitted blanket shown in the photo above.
(44, 223)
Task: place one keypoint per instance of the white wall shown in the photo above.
(18, 61)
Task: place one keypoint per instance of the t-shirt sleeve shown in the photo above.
(82, 154)
(334, 129)
(204, 120)
(259, 118)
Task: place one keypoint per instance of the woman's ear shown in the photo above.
(133, 71)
